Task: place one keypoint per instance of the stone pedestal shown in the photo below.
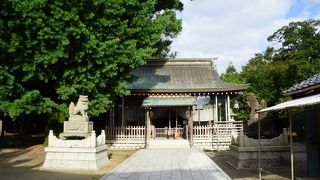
(271, 156)
(245, 150)
(88, 154)
(76, 129)
(76, 158)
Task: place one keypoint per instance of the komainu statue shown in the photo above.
(78, 112)
(255, 105)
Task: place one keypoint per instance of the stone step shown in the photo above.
(169, 143)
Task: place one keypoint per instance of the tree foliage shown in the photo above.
(53, 50)
(273, 71)
(299, 41)
(231, 75)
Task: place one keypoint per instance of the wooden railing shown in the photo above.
(218, 130)
(165, 133)
(125, 132)
(225, 128)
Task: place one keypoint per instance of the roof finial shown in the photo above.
(213, 65)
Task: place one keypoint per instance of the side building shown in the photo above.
(310, 87)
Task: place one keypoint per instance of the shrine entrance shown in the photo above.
(169, 123)
(169, 117)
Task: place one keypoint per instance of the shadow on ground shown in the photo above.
(221, 158)
(24, 161)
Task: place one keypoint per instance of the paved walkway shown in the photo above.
(167, 164)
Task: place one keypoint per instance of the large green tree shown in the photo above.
(298, 41)
(295, 58)
(53, 50)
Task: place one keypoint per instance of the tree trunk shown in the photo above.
(24, 130)
(1, 132)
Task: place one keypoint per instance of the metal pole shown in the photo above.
(259, 158)
(291, 144)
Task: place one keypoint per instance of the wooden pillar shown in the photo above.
(122, 112)
(112, 115)
(169, 118)
(176, 136)
(226, 108)
(148, 125)
(216, 108)
(169, 123)
(147, 128)
(190, 123)
(229, 112)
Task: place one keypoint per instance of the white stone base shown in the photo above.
(88, 158)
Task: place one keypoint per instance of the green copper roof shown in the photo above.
(169, 101)
(180, 75)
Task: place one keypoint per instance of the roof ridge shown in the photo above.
(183, 59)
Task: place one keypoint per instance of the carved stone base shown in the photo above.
(78, 118)
(76, 158)
(76, 129)
(89, 153)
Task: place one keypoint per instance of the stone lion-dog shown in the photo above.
(81, 106)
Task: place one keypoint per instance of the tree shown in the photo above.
(300, 49)
(53, 50)
(275, 70)
(299, 41)
(271, 72)
(231, 75)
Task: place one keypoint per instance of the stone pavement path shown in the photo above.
(167, 164)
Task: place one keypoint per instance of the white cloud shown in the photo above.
(232, 30)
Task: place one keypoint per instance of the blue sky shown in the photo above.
(234, 30)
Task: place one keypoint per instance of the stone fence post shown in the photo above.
(93, 139)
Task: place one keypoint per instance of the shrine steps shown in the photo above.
(168, 143)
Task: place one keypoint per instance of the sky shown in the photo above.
(234, 30)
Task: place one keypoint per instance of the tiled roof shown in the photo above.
(181, 75)
(305, 85)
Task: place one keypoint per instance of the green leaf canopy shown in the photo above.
(53, 50)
